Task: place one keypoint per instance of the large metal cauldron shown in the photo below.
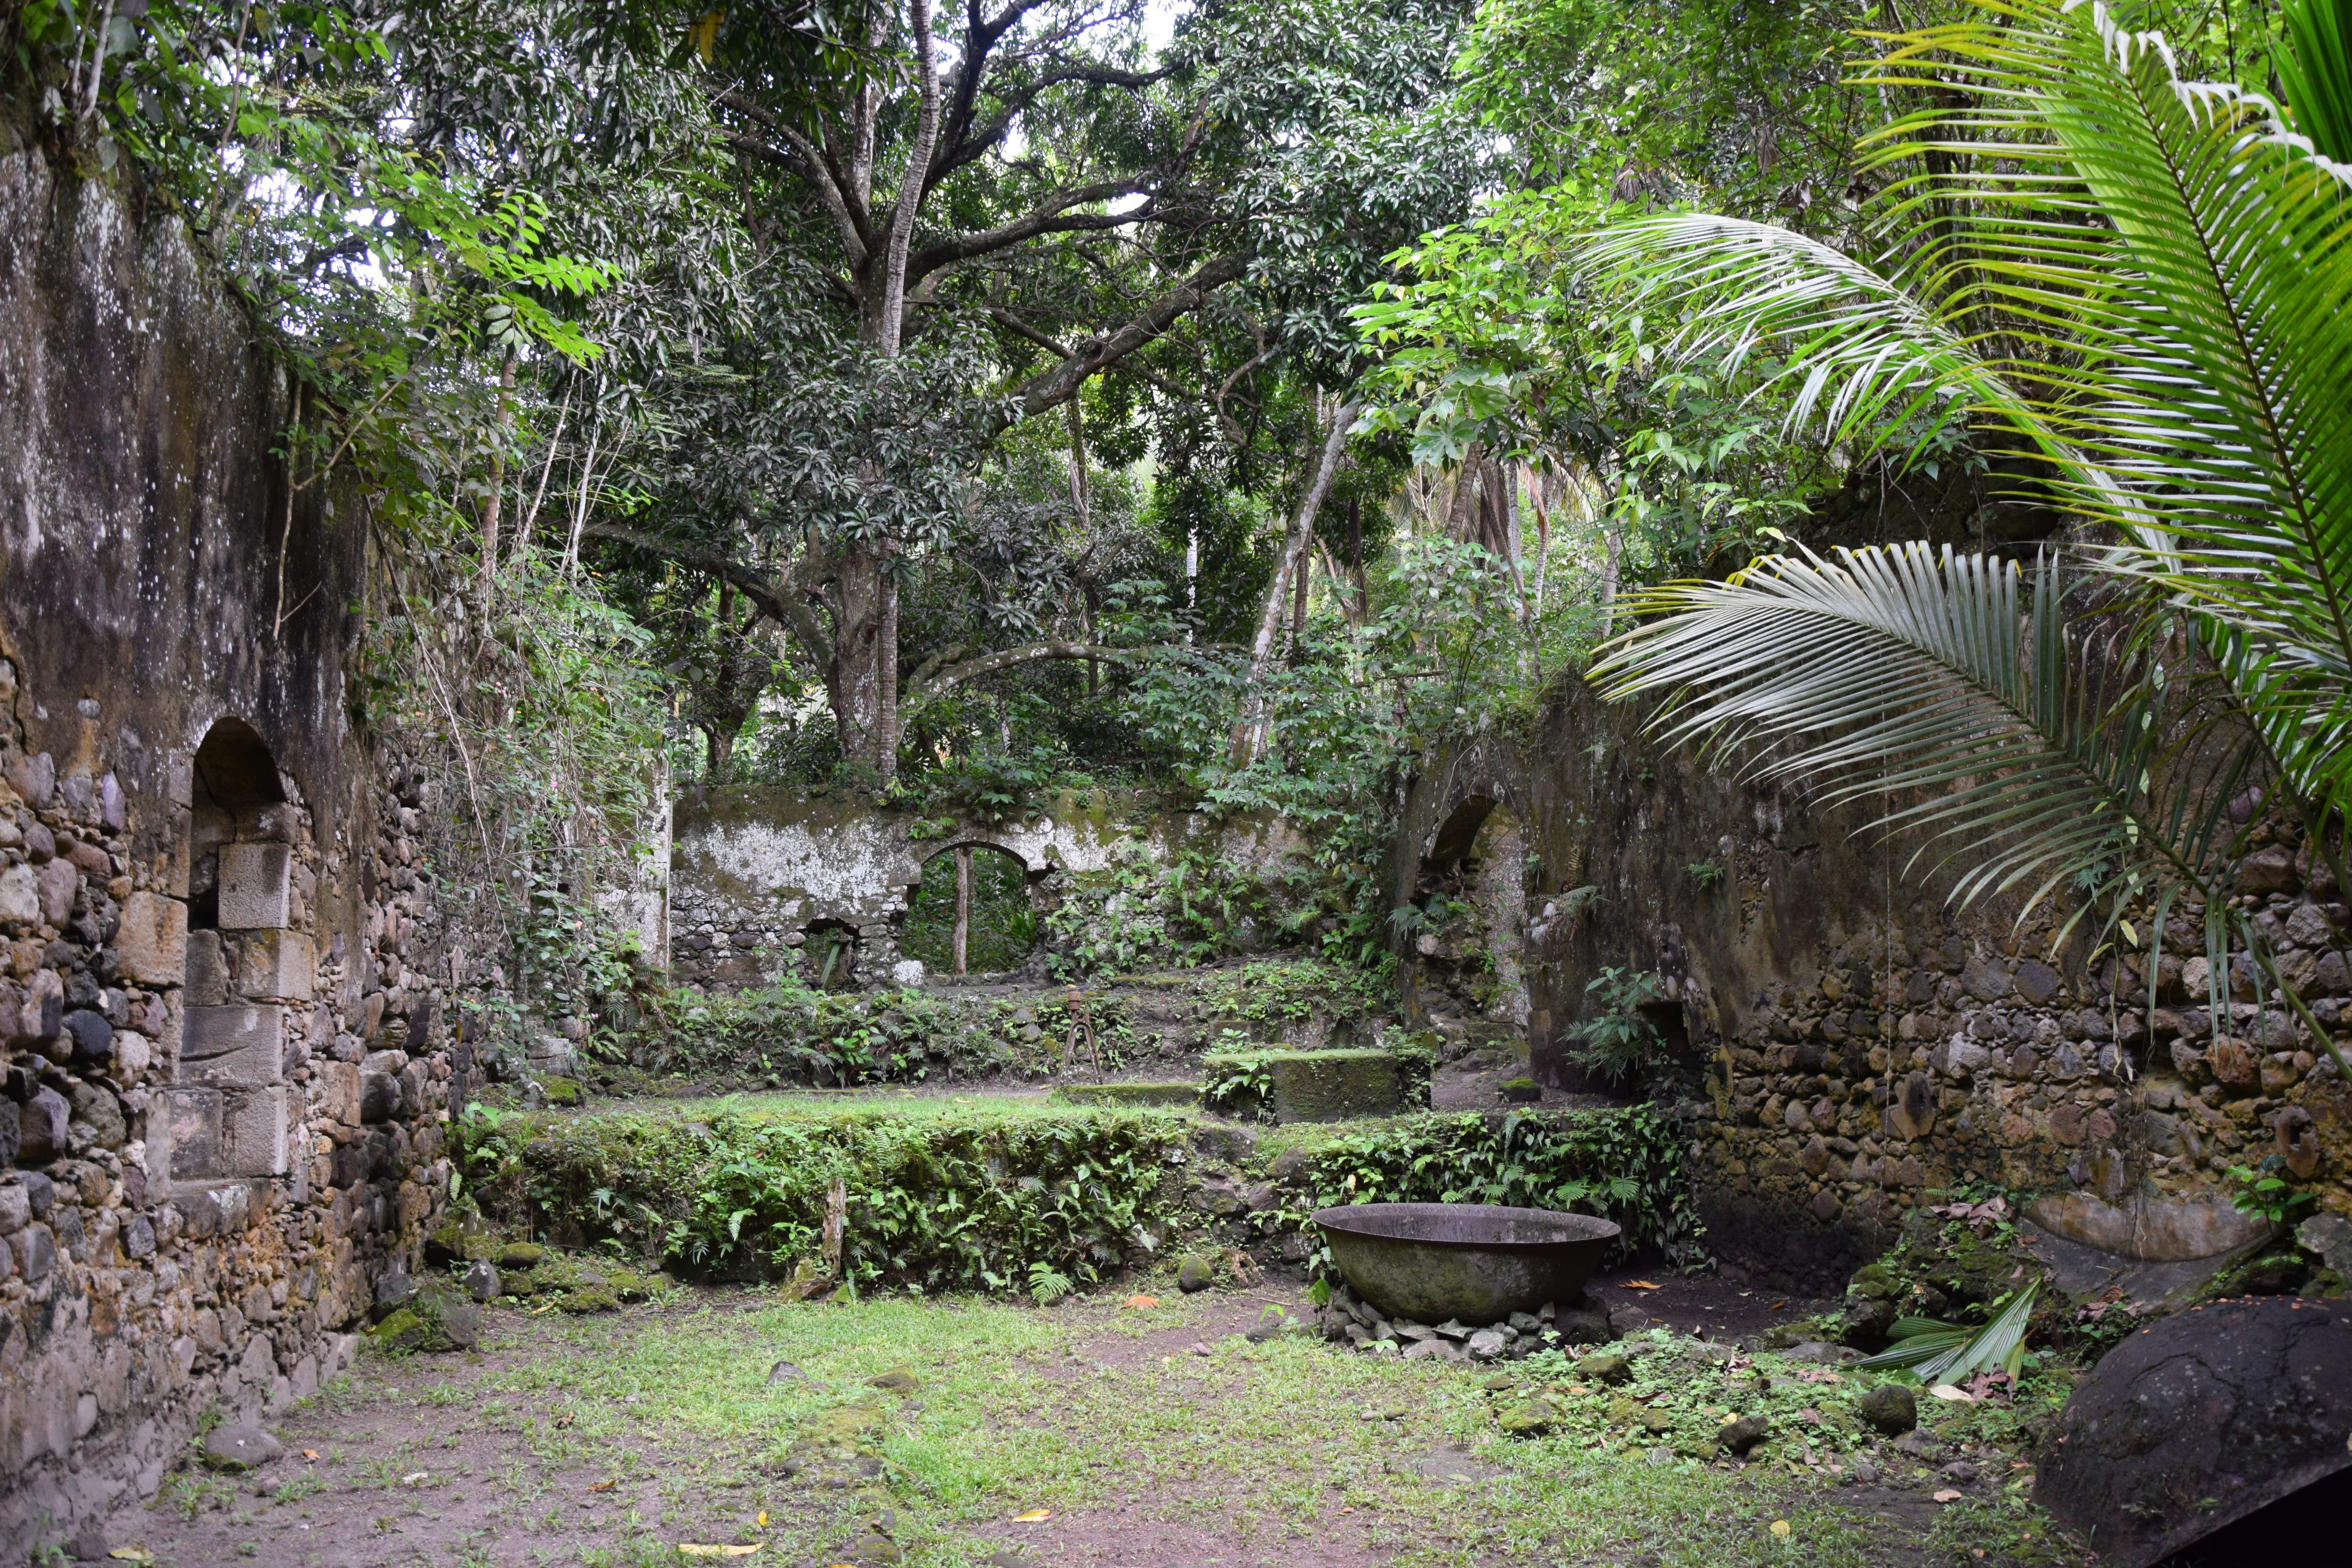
(1476, 1262)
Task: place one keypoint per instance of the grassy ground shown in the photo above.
(1152, 1433)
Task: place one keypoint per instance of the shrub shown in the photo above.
(961, 1202)
(1625, 1165)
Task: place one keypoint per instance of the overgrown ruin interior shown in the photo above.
(557, 1050)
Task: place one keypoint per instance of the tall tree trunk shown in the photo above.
(963, 908)
(862, 683)
(1251, 734)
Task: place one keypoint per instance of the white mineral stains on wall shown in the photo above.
(752, 870)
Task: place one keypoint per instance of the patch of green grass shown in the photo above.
(1020, 1408)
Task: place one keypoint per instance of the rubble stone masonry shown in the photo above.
(224, 1016)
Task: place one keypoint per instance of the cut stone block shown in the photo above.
(236, 1047)
(275, 966)
(254, 886)
(192, 1133)
(207, 969)
(152, 942)
(1323, 1086)
(257, 1133)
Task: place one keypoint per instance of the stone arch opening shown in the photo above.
(972, 912)
(233, 779)
(831, 949)
(230, 1112)
(1457, 835)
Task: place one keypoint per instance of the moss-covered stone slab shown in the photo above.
(1129, 1094)
(1316, 1086)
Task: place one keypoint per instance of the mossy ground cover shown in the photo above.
(609, 1440)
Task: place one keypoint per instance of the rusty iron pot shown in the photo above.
(1475, 1262)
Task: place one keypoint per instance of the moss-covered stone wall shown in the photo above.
(1853, 1042)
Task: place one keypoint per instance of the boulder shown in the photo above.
(1891, 1407)
(1744, 1434)
(238, 1446)
(482, 1281)
(392, 1291)
(2197, 1421)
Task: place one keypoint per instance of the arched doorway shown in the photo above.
(970, 913)
(230, 1111)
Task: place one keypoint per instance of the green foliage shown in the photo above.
(1239, 1083)
(1269, 993)
(1941, 1353)
(2263, 1192)
(1003, 925)
(1625, 1165)
(790, 1033)
(1140, 911)
(2153, 293)
(972, 1202)
(1618, 1041)
(1047, 1286)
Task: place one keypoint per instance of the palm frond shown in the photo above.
(2211, 413)
(1953, 682)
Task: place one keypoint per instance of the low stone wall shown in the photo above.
(754, 870)
(224, 982)
(1851, 1044)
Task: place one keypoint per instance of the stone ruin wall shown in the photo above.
(229, 1061)
(755, 869)
(1859, 1044)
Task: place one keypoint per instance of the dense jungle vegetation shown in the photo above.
(1237, 398)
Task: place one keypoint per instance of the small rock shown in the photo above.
(1527, 1322)
(393, 1290)
(1406, 1329)
(238, 1446)
(1434, 1350)
(1193, 1273)
(785, 1372)
(461, 1325)
(482, 1281)
(1960, 1472)
(1455, 1329)
(521, 1255)
(897, 1380)
(1265, 1329)
(1864, 1472)
(1582, 1326)
(1744, 1432)
(1891, 1407)
(1501, 1383)
(1487, 1344)
(90, 1544)
(1608, 1367)
(579, 1301)
(1823, 1354)
(1916, 1444)
(1626, 1319)
(1532, 1419)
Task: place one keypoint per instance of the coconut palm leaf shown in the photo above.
(1954, 683)
(2209, 329)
